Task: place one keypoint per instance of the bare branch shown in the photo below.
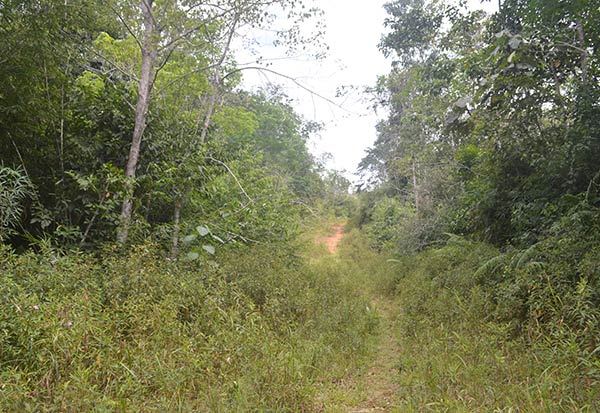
(179, 78)
(192, 30)
(210, 158)
(245, 239)
(113, 64)
(293, 80)
(163, 64)
(127, 27)
(572, 46)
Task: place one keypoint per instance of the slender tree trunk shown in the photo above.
(212, 102)
(103, 198)
(216, 80)
(556, 81)
(176, 229)
(149, 52)
(415, 187)
(584, 53)
(211, 106)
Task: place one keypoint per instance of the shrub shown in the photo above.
(539, 305)
(15, 188)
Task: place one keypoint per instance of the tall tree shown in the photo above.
(169, 26)
(149, 51)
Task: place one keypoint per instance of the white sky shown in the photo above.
(354, 29)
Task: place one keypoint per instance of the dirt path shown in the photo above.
(378, 383)
(374, 389)
(332, 241)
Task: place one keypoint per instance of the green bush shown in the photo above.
(388, 220)
(15, 188)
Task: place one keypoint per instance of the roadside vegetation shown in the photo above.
(158, 222)
(484, 195)
(252, 330)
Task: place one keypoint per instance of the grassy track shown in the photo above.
(271, 329)
(438, 351)
(372, 385)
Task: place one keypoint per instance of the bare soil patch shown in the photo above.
(332, 241)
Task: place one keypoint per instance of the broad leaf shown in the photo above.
(202, 230)
(209, 248)
(190, 238)
(192, 256)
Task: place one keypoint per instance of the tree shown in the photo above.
(173, 25)
(504, 108)
(41, 56)
(149, 89)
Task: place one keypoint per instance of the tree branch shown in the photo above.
(210, 158)
(127, 27)
(293, 80)
(179, 78)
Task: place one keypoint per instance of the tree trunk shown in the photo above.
(415, 187)
(584, 53)
(211, 106)
(149, 52)
(176, 229)
(212, 101)
(216, 80)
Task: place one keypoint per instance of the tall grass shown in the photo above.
(252, 331)
(475, 340)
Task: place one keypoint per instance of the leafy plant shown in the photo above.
(201, 232)
(15, 189)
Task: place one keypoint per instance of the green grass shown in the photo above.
(254, 331)
(281, 328)
(460, 355)
(457, 350)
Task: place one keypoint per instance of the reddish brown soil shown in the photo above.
(332, 241)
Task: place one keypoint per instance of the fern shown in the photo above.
(458, 241)
(522, 258)
(491, 267)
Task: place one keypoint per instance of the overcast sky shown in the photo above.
(353, 31)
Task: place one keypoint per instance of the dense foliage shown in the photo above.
(126, 122)
(493, 120)
(141, 333)
(493, 136)
(73, 111)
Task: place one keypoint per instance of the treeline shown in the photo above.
(493, 135)
(121, 120)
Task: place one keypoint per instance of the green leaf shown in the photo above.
(202, 230)
(190, 238)
(216, 238)
(192, 256)
(209, 248)
(514, 42)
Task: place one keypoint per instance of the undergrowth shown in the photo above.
(485, 331)
(252, 331)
